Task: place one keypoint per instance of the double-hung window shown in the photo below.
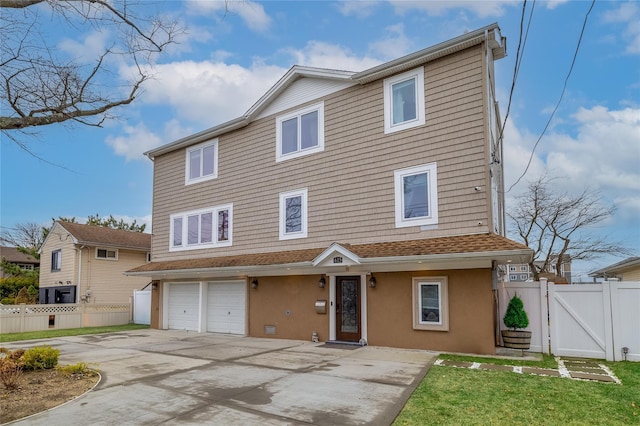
(56, 260)
(416, 196)
(202, 162)
(404, 101)
(300, 132)
(430, 303)
(204, 228)
(293, 214)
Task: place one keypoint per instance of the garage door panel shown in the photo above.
(226, 307)
(183, 307)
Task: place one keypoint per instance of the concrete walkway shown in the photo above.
(570, 368)
(152, 377)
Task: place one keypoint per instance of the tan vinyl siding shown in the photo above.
(58, 238)
(351, 184)
(106, 279)
(631, 275)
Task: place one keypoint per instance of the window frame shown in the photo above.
(115, 251)
(303, 194)
(418, 75)
(443, 298)
(300, 152)
(201, 147)
(57, 265)
(184, 232)
(431, 170)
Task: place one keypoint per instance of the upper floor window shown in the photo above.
(300, 132)
(404, 101)
(108, 254)
(293, 214)
(202, 162)
(56, 260)
(416, 196)
(205, 228)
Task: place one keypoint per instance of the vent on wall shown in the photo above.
(269, 329)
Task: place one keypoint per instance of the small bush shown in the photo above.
(40, 358)
(516, 317)
(10, 368)
(79, 368)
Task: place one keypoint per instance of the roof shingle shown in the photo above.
(100, 235)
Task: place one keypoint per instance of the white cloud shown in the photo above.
(393, 45)
(137, 140)
(627, 13)
(326, 55)
(252, 13)
(483, 9)
(359, 9)
(88, 48)
(552, 4)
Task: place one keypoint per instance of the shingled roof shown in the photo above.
(103, 236)
(479, 243)
(11, 254)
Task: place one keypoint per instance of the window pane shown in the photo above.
(194, 164)
(177, 232)
(111, 254)
(206, 228)
(293, 214)
(208, 160)
(430, 302)
(192, 229)
(223, 225)
(404, 101)
(309, 131)
(290, 136)
(416, 202)
(102, 253)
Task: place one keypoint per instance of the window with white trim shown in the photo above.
(293, 214)
(201, 162)
(430, 303)
(56, 260)
(103, 253)
(416, 196)
(404, 101)
(205, 228)
(300, 132)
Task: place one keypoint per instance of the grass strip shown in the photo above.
(49, 334)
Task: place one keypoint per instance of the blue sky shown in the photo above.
(226, 61)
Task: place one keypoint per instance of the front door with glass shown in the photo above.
(348, 309)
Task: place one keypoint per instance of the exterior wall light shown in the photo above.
(322, 282)
(254, 283)
(372, 281)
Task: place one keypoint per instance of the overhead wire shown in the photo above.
(564, 88)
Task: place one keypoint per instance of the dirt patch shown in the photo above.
(40, 390)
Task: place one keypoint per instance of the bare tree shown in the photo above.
(27, 237)
(44, 84)
(555, 225)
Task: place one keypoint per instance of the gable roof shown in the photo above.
(11, 254)
(92, 235)
(489, 34)
(462, 248)
(628, 263)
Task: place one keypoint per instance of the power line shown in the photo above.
(564, 88)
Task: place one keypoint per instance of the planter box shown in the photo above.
(516, 339)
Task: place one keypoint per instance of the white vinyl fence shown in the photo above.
(581, 320)
(21, 318)
(142, 307)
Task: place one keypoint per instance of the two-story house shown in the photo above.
(86, 263)
(360, 206)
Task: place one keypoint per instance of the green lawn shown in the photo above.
(48, 334)
(456, 396)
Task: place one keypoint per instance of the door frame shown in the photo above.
(332, 303)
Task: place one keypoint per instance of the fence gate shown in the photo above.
(142, 307)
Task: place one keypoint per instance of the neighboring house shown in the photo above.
(13, 255)
(86, 263)
(363, 207)
(626, 270)
(522, 271)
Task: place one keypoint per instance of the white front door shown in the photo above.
(226, 307)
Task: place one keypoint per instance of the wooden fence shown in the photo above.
(582, 320)
(22, 318)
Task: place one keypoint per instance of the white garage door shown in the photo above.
(183, 306)
(226, 307)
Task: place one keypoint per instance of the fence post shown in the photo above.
(544, 316)
(608, 322)
(23, 316)
(83, 319)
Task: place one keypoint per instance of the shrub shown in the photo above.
(10, 368)
(8, 301)
(79, 368)
(516, 317)
(40, 358)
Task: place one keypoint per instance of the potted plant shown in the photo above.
(516, 318)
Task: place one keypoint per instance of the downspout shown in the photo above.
(78, 292)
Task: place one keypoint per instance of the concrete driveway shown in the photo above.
(176, 377)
